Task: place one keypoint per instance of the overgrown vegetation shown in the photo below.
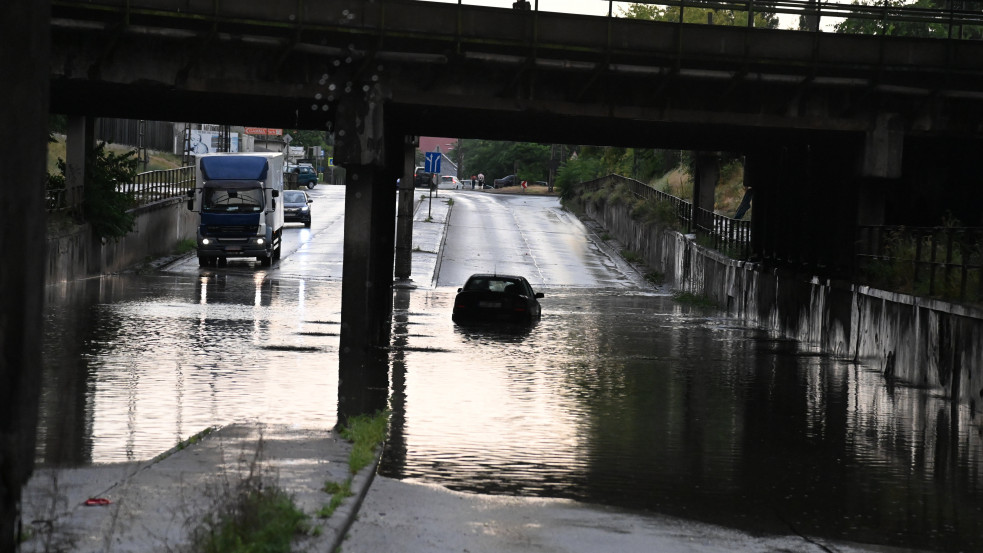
(695, 300)
(252, 514)
(365, 433)
(906, 263)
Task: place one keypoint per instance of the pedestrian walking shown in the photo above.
(481, 181)
(474, 179)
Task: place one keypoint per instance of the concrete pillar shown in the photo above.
(362, 372)
(78, 143)
(361, 146)
(24, 26)
(705, 185)
(883, 147)
(404, 212)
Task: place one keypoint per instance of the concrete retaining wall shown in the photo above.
(157, 230)
(921, 341)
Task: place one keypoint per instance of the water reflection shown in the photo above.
(613, 397)
(133, 364)
(639, 402)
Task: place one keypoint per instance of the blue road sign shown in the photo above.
(432, 163)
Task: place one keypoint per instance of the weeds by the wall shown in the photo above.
(366, 433)
(631, 257)
(251, 513)
(689, 298)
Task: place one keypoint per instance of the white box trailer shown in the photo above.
(238, 197)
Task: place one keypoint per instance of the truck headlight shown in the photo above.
(260, 241)
(205, 241)
(305, 208)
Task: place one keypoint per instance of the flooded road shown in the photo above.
(619, 396)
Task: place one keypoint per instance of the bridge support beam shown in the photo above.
(404, 212)
(365, 148)
(24, 27)
(78, 143)
(705, 185)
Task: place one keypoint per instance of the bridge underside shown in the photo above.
(838, 130)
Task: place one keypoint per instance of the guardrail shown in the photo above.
(146, 188)
(153, 186)
(944, 262)
(724, 234)
(949, 20)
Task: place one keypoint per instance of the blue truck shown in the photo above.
(238, 197)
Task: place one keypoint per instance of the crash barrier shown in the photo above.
(153, 186)
(943, 262)
(949, 20)
(722, 233)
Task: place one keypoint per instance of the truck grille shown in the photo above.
(232, 230)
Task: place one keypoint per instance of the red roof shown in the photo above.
(430, 143)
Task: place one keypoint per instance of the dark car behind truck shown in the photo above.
(424, 179)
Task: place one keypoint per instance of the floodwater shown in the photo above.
(619, 396)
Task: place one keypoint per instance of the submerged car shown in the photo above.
(297, 207)
(493, 298)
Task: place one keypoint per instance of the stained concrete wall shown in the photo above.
(157, 229)
(925, 342)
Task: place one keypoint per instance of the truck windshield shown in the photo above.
(220, 199)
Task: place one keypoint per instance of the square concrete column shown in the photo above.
(404, 211)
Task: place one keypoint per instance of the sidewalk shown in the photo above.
(429, 231)
(155, 505)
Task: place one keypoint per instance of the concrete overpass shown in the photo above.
(838, 130)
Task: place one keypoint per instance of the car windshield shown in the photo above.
(495, 284)
(294, 197)
(222, 199)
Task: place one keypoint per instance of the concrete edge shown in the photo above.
(440, 248)
(348, 512)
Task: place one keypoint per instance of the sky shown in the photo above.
(587, 7)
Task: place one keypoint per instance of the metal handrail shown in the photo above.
(938, 261)
(726, 235)
(153, 186)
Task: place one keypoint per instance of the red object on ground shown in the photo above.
(97, 501)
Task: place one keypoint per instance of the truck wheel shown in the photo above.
(307, 224)
(221, 261)
(266, 261)
(204, 261)
(311, 185)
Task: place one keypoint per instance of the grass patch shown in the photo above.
(689, 298)
(656, 277)
(262, 519)
(365, 433)
(631, 257)
(605, 237)
(338, 494)
(185, 246)
(449, 201)
(251, 514)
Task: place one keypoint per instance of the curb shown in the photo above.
(362, 481)
(440, 248)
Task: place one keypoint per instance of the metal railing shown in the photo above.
(948, 20)
(154, 186)
(146, 188)
(729, 236)
(944, 262)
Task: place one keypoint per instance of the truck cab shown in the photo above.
(238, 197)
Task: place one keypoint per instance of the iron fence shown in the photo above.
(724, 234)
(943, 262)
(153, 186)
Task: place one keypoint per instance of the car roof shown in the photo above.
(492, 275)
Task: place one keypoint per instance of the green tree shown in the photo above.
(874, 25)
(698, 15)
(497, 159)
(104, 207)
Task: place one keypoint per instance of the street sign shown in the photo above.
(432, 163)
